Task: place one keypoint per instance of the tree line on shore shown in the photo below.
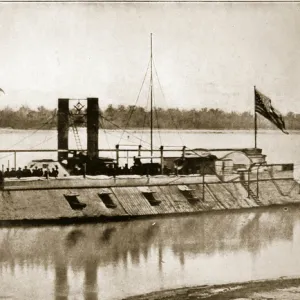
(121, 117)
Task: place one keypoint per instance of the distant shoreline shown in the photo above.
(166, 130)
(137, 118)
(155, 130)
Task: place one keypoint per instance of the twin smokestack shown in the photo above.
(63, 123)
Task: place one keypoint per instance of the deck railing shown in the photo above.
(120, 153)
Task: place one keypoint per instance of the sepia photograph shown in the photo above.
(149, 150)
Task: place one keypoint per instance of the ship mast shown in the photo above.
(151, 98)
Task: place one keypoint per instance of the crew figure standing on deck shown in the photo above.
(26, 172)
(19, 173)
(54, 172)
(13, 172)
(35, 172)
(7, 173)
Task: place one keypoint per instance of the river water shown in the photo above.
(279, 147)
(116, 260)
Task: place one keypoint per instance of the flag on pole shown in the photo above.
(263, 106)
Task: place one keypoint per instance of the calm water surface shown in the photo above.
(115, 260)
(277, 146)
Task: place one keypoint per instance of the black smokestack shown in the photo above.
(63, 128)
(92, 127)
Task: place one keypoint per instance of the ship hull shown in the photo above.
(118, 198)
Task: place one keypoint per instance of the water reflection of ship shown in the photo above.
(88, 248)
(90, 280)
(61, 280)
(113, 243)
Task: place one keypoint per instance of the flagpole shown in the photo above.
(255, 122)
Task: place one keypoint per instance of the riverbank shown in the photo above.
(279, 289)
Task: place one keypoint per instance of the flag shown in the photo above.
(263, 106)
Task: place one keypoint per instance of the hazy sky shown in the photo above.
(206, 54)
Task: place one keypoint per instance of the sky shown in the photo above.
(205, 54)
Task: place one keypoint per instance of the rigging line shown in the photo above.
(47, 122)
(122, 129)
(151, 99)
(158, 128)
(174, 123)
(32, 148)
(27, 136)
(144, 122)
(44, 141)
(145, 113)
(7, 155)
(10, 154)
(102, 123)
(107, 132)
(136, 101)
